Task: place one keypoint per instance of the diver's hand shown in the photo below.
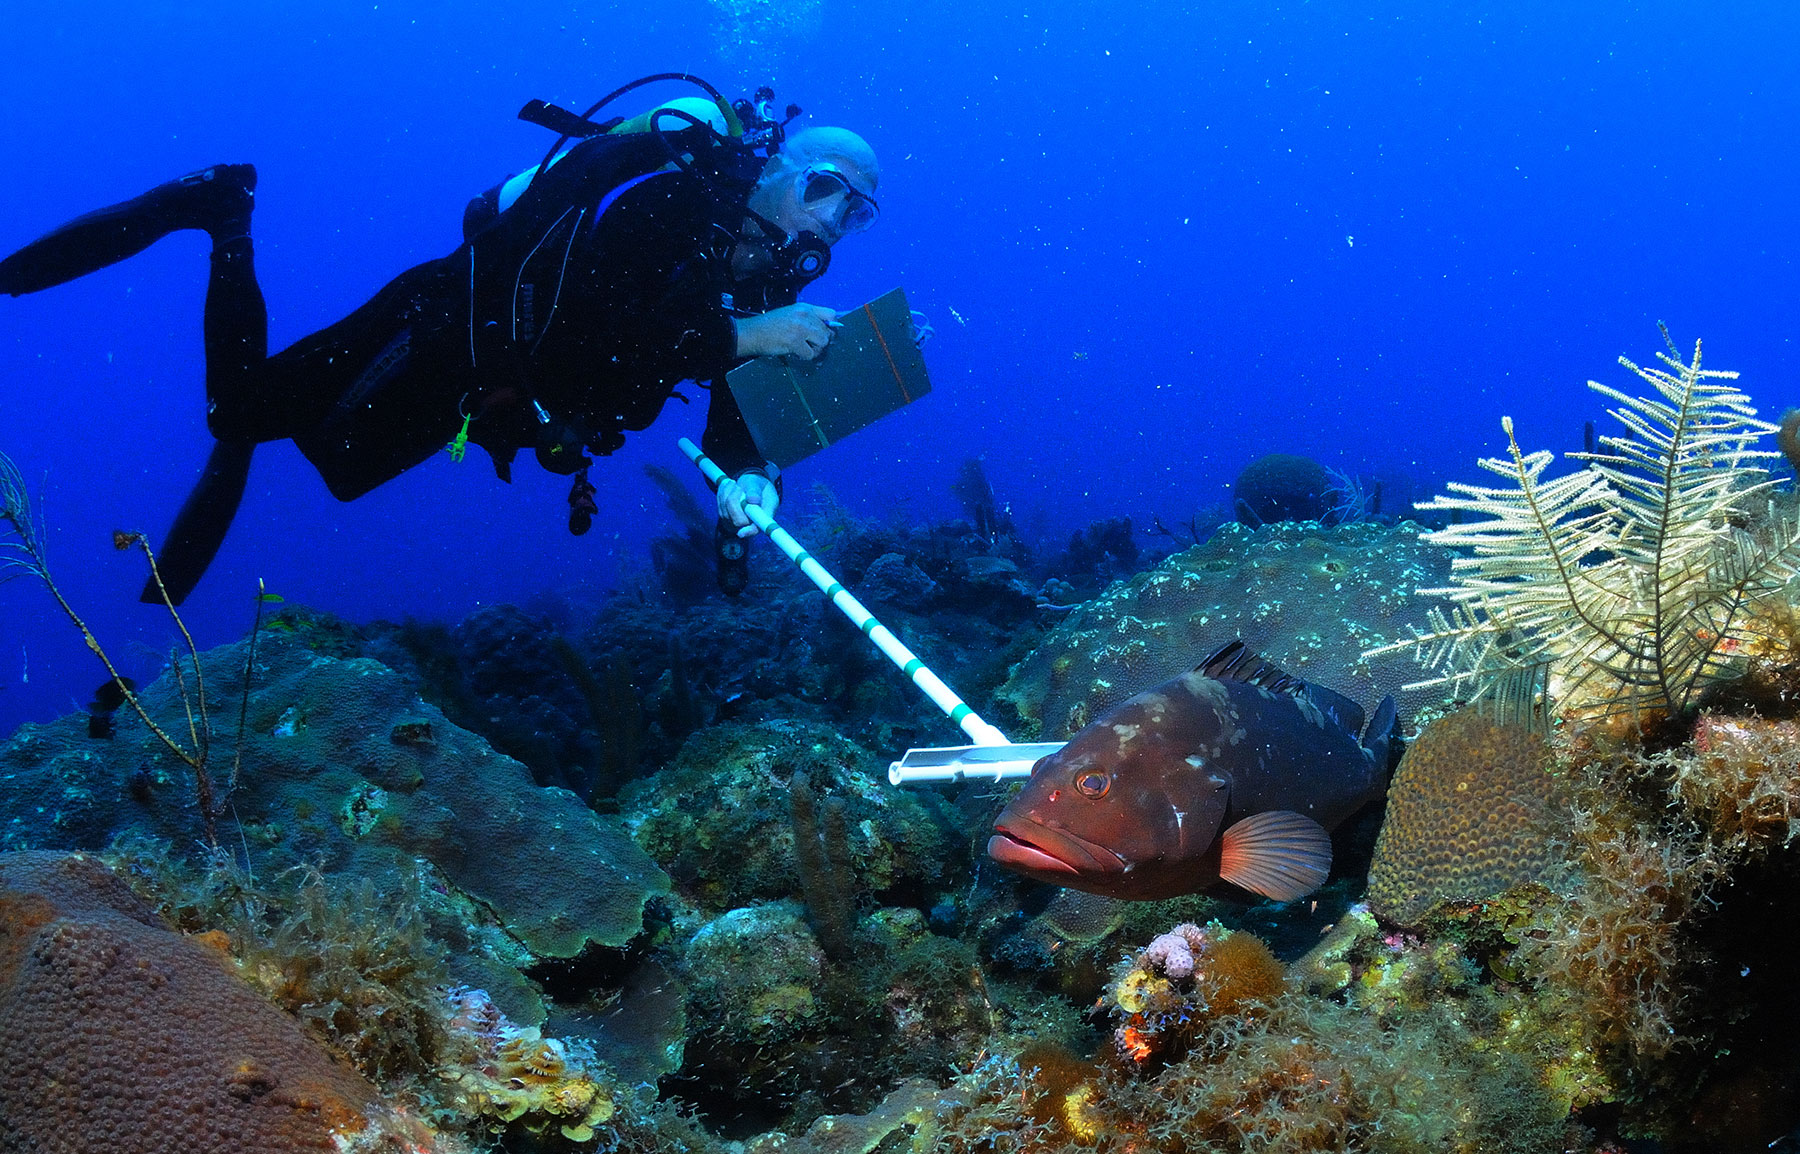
(749, 489)
(800, 331)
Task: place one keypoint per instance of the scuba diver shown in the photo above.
(638, 255)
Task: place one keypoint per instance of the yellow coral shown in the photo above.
(536, 1080)
(1137, 989)
(1081, 1113)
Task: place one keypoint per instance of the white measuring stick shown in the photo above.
(969, 762)
(941, 695)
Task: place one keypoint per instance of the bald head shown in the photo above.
(838, 146)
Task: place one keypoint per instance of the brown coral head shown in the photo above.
(123, 540)
(1788, 437)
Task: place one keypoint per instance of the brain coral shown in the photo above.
(1469, 815)
(119, 1035)
(1308, 598)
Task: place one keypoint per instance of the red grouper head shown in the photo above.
(1233, 773)
(1100, 810)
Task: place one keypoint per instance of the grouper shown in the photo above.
(1231, 776)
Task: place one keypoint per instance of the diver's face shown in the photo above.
(831, 197)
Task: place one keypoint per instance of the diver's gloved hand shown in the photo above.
(752, 488)
(800, 330)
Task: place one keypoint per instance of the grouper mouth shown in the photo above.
(1031, 848)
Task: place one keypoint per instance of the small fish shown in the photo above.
(111, 694)
(1233, 774)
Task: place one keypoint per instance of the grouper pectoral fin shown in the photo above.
(1280, 854)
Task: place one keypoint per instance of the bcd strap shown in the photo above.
(564, 122)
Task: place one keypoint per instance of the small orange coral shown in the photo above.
(1239, 970)
(1184, 983)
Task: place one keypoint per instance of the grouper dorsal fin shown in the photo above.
(1279, 854)
(1237, 662)
(1347, 714)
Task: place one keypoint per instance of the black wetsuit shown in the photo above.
(559, 324)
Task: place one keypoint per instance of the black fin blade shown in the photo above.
(201, 524)
(1237, 662)
(1346, 713)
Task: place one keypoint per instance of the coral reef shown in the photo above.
(758, 946)
(1309, 599)
(120, 1034)
(1472, 811)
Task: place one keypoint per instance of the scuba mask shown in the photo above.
(854, 211)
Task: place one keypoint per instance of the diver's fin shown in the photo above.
(1280, 854)
(216, 199)
(1237, 662)
(200, 527)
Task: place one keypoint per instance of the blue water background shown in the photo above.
(1156, 240)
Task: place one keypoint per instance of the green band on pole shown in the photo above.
(961, 711)
(911, 667)
(869, 626)
(833, 590)
(802, 557)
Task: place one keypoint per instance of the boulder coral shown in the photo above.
(1472, 812)
(1308, 598)
(118, 1034)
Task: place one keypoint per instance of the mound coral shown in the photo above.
(1281, 487)
(351, 767)
(118, 1034)
(1307, 598)
(1470, 813)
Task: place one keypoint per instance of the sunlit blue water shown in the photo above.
(1156, 240)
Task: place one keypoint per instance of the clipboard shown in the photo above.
(871, 368)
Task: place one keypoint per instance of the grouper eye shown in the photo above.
(1093, 783)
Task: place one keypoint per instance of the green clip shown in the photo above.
(460, 445)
